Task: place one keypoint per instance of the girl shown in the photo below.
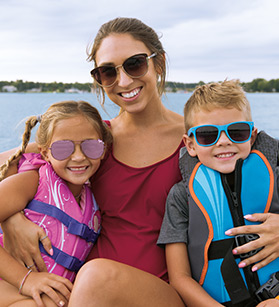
(72, 139)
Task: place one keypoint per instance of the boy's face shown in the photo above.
(221, 156)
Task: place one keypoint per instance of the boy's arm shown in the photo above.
(180, 277)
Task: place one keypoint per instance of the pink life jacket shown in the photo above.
(71, 228)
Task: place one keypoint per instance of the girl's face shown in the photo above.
(221, 156)
(77, 168)
(131, 94)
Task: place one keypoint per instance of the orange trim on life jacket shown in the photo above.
(209, 224)
(271, 185)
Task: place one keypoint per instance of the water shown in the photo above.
(15, 107)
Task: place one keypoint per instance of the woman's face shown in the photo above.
(131, 94)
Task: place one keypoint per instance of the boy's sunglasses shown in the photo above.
(61, 150)
(208, 135)
(135, 67)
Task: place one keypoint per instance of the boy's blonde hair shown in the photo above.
(48, 121)
(226, 94)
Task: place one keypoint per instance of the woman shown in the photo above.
(132, 184)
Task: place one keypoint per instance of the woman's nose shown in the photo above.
(123, 79)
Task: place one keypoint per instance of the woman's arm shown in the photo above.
(180, 277)
(268, 232)
(4, 156)
(21, 236)
(269, 303)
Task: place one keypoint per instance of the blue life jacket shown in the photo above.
(214, 208)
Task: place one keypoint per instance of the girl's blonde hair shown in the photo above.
(226, 94)
(48, 121)
(139, 31)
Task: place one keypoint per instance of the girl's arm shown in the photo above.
(180, 277)
(268, 232)
(33, 284)
(21, 236)
(16, 191)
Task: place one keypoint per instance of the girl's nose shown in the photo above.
(78, 154)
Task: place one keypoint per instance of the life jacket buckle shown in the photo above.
(270, 289)
(243, 239)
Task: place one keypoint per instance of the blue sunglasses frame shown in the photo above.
(221, 128)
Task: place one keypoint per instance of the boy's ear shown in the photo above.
(254, 136)
(190, 145)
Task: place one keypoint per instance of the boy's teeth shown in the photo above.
(131, 94)
(225, 155)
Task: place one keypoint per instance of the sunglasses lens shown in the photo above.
(206, 135)
(61, 150)
(104, 75)
(239, 132)
(93, 149)
(136, 66)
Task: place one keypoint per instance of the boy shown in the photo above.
(222, 181)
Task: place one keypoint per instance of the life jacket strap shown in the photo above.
(74, 226)
(67, 261)
(219, 248)
(233, 280)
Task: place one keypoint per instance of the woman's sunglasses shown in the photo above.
(135, 67)
(208, 135)
(93, 149)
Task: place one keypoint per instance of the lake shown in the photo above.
(16, 107)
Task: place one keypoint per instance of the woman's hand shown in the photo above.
(269, 303)
(21, 240)
(50, 284)
(268, 232)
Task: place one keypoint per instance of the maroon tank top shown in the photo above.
(132, 204)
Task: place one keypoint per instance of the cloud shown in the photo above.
(46, 40)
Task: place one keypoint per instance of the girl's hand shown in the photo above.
(268, 233)
(269, 303)
(50, 284)
(21, 240)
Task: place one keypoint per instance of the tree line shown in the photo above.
(257, 85)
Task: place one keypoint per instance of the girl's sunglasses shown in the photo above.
(135, 67)
(208, 135)
(61, 150)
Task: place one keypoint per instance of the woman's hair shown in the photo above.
(139, 31)
(207, 97)
(48, 121)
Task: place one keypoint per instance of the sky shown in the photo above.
(46, 40)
